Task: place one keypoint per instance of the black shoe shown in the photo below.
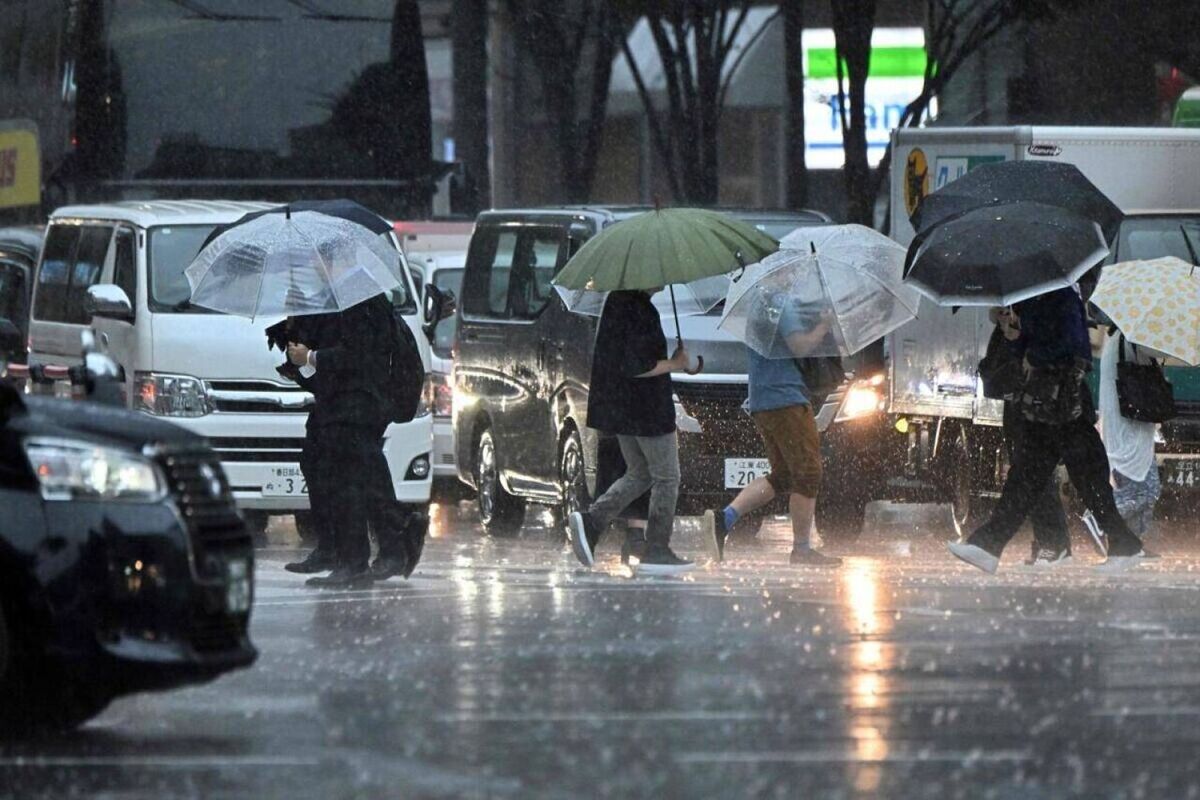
(387, 566)
(807, 557)
(634, 546)
(661, 560)
(584, 537)
(1044, 556)
(316, 562)
(715, 533)
(343, 578)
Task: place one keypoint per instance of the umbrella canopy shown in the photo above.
(296, 260)
(664, 247)
(1156, 304)
(692, 299)
(1050, 182)
(829, 291)
(1000, 255)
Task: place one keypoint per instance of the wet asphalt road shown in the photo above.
(503, 670)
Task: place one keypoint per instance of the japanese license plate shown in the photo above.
(285, 482)
(237, 586)
(1183, 473)
(741, 472)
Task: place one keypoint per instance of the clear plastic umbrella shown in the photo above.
(692, 299)
(829, 291)
(292, 264)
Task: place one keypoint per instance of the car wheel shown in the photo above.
(500, 513)
(36, 696)
(957, 484)
(840, 516)
(572, 476)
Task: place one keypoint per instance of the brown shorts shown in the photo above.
(793, 448)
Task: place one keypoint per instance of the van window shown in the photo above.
(125, 264)
(86, 271)
(520, 269)
(12, 292)
(54, 276)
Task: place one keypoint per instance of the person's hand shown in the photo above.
(680, 360)
(297, 354)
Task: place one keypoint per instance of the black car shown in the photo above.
(19, 248)
(523, 364)
(124, 565)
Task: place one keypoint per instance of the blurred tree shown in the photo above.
(572, 44)
(698, 44)
(469, 31)
(853, 25)
(793, 73)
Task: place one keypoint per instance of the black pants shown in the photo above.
(1046, 511)
(399, 529)
(347, 466)
(1037, 453)
(311, 461)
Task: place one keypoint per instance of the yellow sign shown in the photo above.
(20, 165)
(916, 179)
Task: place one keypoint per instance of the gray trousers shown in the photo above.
(651, 462)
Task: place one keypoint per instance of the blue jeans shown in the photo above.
(1136, 499)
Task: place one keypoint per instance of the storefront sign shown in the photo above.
(20, 165)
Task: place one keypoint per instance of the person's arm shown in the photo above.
(678, 362)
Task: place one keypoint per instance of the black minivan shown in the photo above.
(523, 364)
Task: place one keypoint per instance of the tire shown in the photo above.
(36, 696)
(959, 485)
(572, 476)
(840, 518)
(500, 513)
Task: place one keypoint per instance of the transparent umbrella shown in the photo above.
(829, 291)
(292, 264)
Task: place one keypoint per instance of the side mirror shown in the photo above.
(108, 300)
(440, 304)
(11, 342)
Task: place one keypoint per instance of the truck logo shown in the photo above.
(916, 179)
(1044, 150)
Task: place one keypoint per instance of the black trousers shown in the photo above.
(1037, 453)
(399, 528)
(1046, 510)
(311, 461)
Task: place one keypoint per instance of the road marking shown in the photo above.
(850, 757)
(607, 716)
(157, 762)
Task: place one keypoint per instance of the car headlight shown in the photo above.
(863, 398)
(80, 471)
(170, 395)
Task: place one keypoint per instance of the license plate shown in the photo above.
(1183, 474)
(237, 586)
(741, 472)
(285, 482)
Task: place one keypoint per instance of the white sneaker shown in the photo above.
(975, 556)
(579, 539)
(1099, 540)
(1115, 565)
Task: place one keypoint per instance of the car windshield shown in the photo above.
(172, 248)
(1157, 237)
(443, 339)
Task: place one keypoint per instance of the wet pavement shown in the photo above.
(503, 670)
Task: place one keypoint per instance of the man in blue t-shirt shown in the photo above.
(783, 415)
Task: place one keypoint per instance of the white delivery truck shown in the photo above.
(934, 435)
(118, 268)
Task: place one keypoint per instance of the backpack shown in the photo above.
(822, 376)
(406, 374)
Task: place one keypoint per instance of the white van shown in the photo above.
(119, 268)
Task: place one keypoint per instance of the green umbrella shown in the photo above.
(664, 247)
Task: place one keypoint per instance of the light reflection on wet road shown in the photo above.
(503, 670)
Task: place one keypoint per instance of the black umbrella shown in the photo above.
(1000, 255)
(342, 209)
(1050, 182)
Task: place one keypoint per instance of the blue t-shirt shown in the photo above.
(776, 382)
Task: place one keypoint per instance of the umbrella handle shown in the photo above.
(699, 366)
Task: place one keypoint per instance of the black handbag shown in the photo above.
(1143, 391)
(822, 376)
(1001, 371)
(1053, 395)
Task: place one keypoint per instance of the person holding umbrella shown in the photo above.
(829, 291)
(630, 392)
